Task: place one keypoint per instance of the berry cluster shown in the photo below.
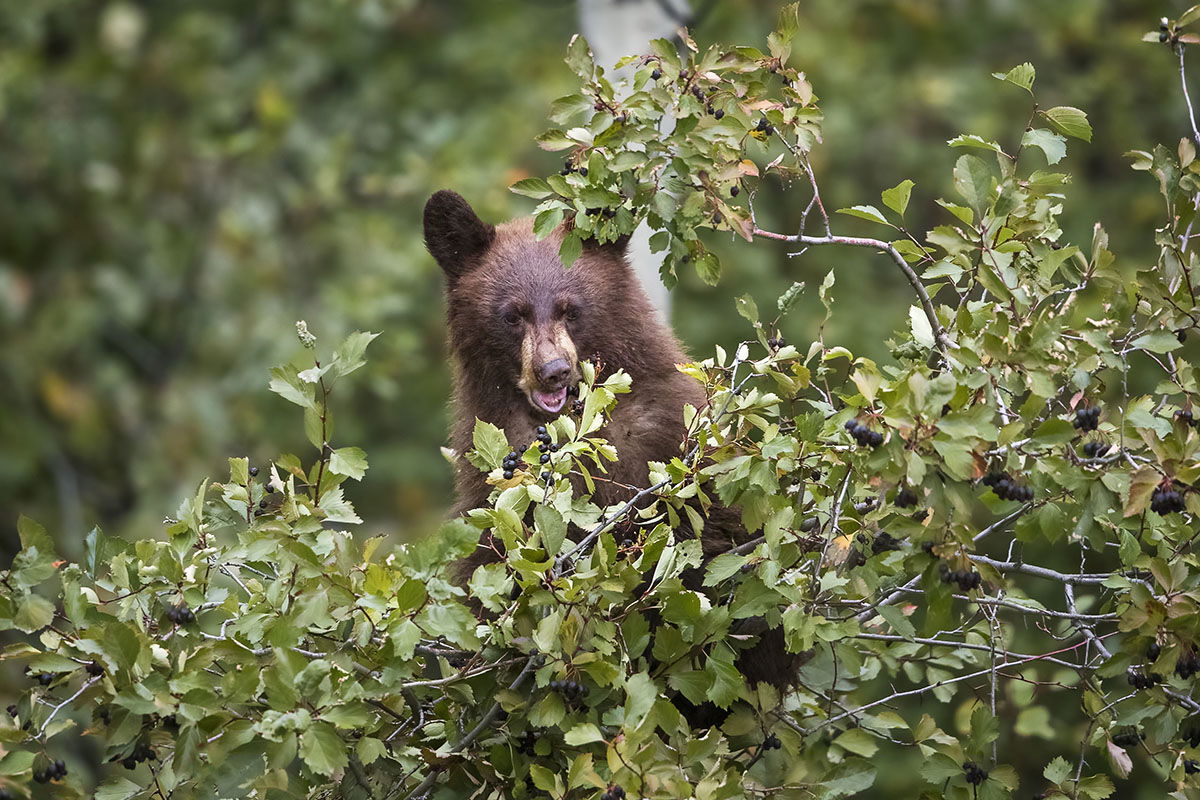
(180, 614)
(43, 678)
(975, 774)
(864, 435)
(1187, 665)
(771, 743)
(1127, 737)
(1087, 418)
(775, 342)
(1166, 500)
(512, 463)
(905, 498)
(1096, 449)
(1191, 767)
(613, 793)
(568, 168)
(94, 669)
(1190, 731)
(1184, 416)
(545, 446)
(1006, 488)
(965, 578)
(53, 771)
(607, 213)
(140, 753)
(571, 691)
(884, 542)
(1141, 680)
(526, 743)
(764, 127)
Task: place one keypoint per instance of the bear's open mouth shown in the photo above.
(550, 402)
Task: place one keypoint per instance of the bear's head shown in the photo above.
(519, 320)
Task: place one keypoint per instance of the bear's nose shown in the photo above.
(553, 374)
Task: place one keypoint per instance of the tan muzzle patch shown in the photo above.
(541, 345)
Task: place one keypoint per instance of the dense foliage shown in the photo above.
(914, 516)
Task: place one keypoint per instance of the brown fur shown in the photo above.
(494, 272)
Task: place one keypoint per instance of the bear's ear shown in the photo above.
(454, 235)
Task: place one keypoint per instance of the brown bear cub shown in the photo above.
(519, 324)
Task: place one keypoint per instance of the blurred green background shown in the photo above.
(180, 181)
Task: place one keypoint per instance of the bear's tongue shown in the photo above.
(551, 401)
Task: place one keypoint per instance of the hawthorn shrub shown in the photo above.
(996, 518)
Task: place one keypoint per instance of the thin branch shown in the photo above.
(427, 784)
(943, 343)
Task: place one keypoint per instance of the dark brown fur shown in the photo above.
(492, 271)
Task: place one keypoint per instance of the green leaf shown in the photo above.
(570, 249)
(1096, 787)
(579, 57)
(789, 297)
(858, 741)
(348, 461)
(34, 612)
(583, 733)
(896, 198)
(490, 442)
(537, 188)
(1053, 145)
(285, 382)
(640, 693)
(921, 329)
(1057, 770)
(1021, 75)
(546, 222)
(1157, 342)
(971, 140)
(900, 624)
(973, 180)
(349, 355)
(708, 268)
(117, 788)
(1069, 122)
(747, 308)
(865, 212)
(322, 749)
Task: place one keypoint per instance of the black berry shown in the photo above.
(94, 669)
(905, 498)
(1166, 500)
(508, 473)
(655, 74)
(772, 743)
(253, 471)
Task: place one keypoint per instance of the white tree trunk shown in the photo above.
(617, 28)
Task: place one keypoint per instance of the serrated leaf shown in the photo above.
(322, 749)
(1069, 121)
(973, 180)
(1096, 787)
(348, 461)
(747, 308)
(583, 733)
(1057, 770)
(921, 329)
(490, 442)
(1141, 486)
(537, 188)
(1050, 143)
(1021, 75)
(971, 140)
(546, 222)
(349, 355)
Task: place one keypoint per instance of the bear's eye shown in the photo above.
(511, 318)
(571, 314)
